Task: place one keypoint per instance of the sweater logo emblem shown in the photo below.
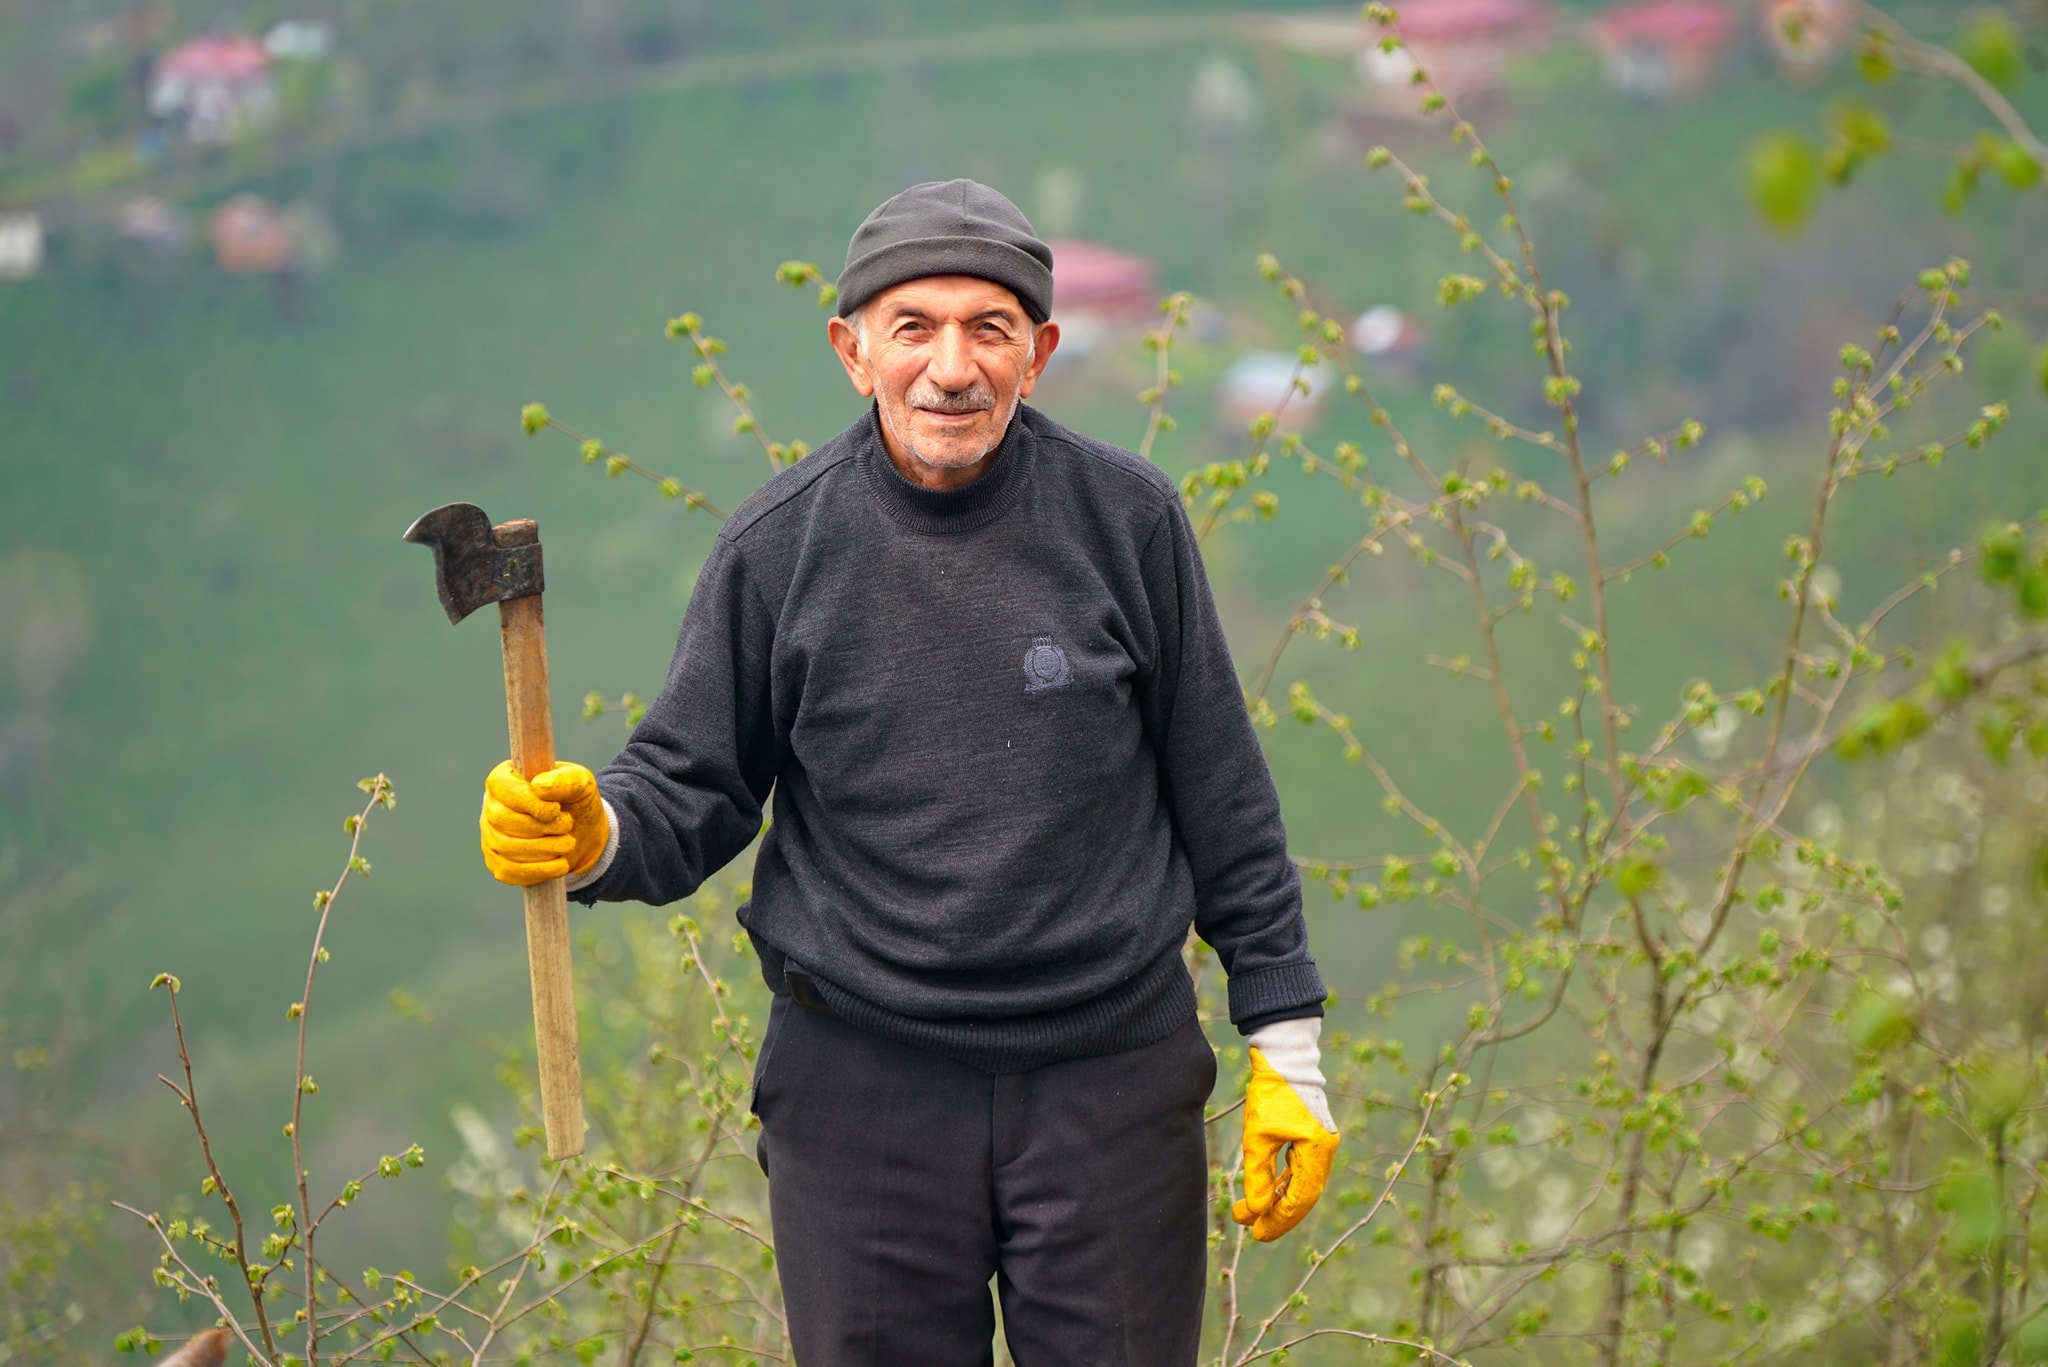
(1045, 666)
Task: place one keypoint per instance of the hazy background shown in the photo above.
(210, 629)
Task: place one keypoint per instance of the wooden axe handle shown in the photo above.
(524, 637)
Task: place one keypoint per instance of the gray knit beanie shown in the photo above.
(951, 227)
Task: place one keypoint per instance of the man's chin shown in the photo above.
(952, 447)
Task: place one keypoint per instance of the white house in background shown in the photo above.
(21, 244)
(1260, 382)
(1391, 342)
(300, 40)
(215, 88)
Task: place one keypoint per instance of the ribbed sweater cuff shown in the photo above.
(1264, 993)
(588, 878)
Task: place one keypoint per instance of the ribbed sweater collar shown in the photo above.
(942, 511)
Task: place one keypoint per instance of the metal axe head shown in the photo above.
(476, 563)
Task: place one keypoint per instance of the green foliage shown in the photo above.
(96, 96)
(1785, 179)
(1993, 48)
(1857, 133)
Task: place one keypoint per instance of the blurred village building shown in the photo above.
(155, 225)
(1662, 48)
(252, 236)
(1261, 382)
(214, 89)
(1392, 344)
(21, 245)
(300, 40)
(1100, 294)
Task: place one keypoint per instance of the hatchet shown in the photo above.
(474, 564)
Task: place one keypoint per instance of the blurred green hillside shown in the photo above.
(223, 471)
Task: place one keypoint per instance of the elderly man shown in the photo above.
(974, 658)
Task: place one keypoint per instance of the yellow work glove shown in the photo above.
(1293, 1115)
(552, 826)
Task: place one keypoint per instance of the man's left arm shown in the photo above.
(1226, 811)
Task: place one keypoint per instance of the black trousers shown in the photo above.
(900, 1182)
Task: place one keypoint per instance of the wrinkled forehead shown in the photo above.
(948, 298)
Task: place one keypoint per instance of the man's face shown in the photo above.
(947, 359)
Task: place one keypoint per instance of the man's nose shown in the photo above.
(950, 364)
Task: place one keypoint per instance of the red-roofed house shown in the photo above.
(1098, 292)
(215, 88)
(1088, 277)
(1663, 47)
(250, 236)
(1464, 45)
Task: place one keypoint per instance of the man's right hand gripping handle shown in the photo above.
(552, 826)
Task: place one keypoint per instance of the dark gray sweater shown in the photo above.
(1010, 757)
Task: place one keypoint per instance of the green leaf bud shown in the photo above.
(1875, 1022)
(533, 417)
(1636, 877)
(1995, 733)
(2000, 551)
(1992, 47)
(593, 451)
(1784, 175)
(2034, 594)
(1874, 58)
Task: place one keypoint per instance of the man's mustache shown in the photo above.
(976, 398)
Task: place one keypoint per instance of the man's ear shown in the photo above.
(1047, 338)
(846, 345)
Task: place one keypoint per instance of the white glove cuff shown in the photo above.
(604, 861)
(1291, 1049)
